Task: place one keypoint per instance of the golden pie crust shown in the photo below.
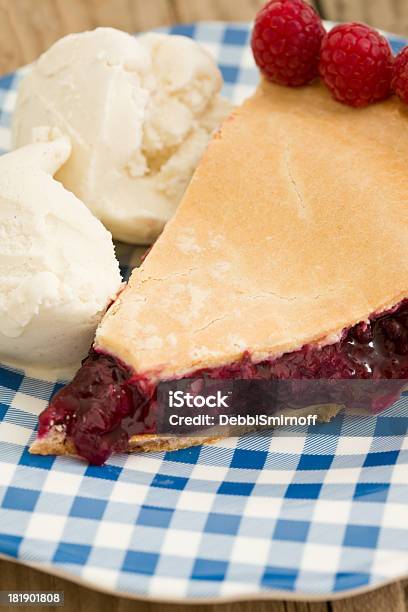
(294, 226)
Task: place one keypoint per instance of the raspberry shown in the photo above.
(356, 64)
(286, 42)
(400, 75)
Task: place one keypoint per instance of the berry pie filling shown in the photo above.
(107, 403)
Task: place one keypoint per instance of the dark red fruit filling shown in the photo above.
(106, 403)
(101, 408)
(377, 349)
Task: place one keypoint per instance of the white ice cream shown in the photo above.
(58, 269)
(139, 113)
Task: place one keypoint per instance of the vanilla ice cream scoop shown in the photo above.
(58, 271)
(139, 113)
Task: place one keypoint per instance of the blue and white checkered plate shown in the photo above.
(318, 515)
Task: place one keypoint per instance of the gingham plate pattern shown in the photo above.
(318, 514)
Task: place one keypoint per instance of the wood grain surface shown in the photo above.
(28, 27)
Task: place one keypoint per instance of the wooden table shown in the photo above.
(28, 27)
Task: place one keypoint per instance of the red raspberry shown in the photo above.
(400, 75)
(286, 42)
(356, 64)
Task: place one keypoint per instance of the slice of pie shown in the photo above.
(288, 258)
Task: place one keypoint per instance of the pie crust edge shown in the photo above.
(55, 442)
